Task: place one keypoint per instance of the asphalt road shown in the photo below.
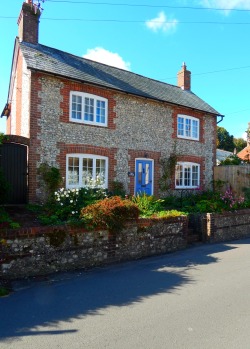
(195, 299)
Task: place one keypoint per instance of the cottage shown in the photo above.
(99, 123)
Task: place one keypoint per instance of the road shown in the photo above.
(194, 299)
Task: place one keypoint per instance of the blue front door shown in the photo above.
(143, 177)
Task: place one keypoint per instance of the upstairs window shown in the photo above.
(88, 109)
(188, 127)
(187, 175)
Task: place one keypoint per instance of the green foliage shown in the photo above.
(231, 160)
(207, 201)
(110, 213)
(218, 185)
(3, 137)
(6, 221)
(225, 141)
(168, 170)
(4, 188)
(147, 204)
(65, 204)
(239, 144)
(117, 189)
(169, 214)
(51, 177)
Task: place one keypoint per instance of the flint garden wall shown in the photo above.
(226, 226)
(45, 250)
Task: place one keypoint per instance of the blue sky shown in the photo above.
(151, 38)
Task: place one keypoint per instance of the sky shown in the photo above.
(153, 39)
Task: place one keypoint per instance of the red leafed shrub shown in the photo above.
(110, 213)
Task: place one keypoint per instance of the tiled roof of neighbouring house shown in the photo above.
(244, 154)
(51, 60)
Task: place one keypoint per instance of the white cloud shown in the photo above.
(227, 4)
(101, 55)
(161, 22)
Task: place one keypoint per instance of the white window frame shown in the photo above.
(186, 119)
(187, 166)
(95, 99)
(81, 157)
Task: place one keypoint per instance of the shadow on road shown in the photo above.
(37, 305)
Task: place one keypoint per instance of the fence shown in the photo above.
(237, 176)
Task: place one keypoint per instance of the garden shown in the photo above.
(96, 207)
(93, 207)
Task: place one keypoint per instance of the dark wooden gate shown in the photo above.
(13, 162)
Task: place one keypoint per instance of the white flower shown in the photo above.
(61, 204)
(73, 212)
(71, 201)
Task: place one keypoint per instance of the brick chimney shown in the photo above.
(28, 22)
(184, 78)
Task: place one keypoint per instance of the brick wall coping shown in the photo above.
(8, 233)
(16, 139)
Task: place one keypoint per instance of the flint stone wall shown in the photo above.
(45, 250)
(227, 226)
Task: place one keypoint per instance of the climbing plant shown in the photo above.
(51, 177)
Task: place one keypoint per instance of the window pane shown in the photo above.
(188, 128)
(76, 108)
(180, 126)
(140, 173)
(100, 171)
(195, 174)
(100, 111)
(194, 128)
(147, 174)
(179, 175)
(187, 173)
(89, 109)
(73, 171)
(87, 172)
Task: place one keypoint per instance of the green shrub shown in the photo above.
(147, 204)
(169, 214)
(51, 177)
(117, 189)
(6, 221)
(110, 213)
(65, 204)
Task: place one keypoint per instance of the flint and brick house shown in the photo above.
(92, 120)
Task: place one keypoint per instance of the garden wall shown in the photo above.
(45, 250)
(225, 226)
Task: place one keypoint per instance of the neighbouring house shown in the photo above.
(222, 155)
(244, 154)
(97, 122)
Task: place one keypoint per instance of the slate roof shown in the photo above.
(51, 60)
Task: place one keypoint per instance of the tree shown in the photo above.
(231, 160)
(239, 144)
(225, 141)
